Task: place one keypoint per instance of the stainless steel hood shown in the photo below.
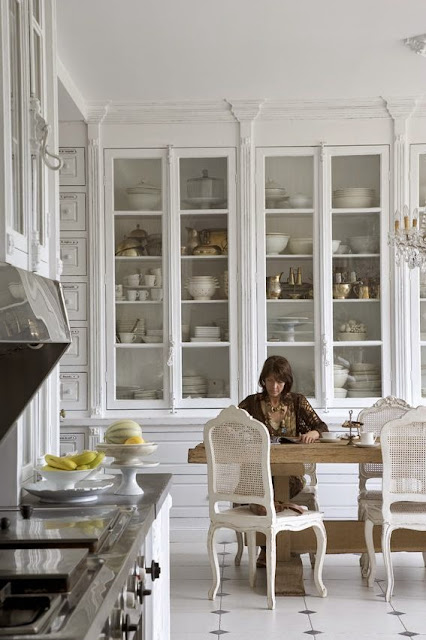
(34, 334)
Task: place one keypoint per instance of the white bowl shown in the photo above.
(276, 242)
(127, 454)
(340, 377)
(353, 202)
(300, 201)
(300, 246)
(344, 248)
(336, 245)
(347, 336)
(363, 367)
(364, 244)
(202, 291)
(144, 200)
(340, 393)
(362, 385)
(59, 480)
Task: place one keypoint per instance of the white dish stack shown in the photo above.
(153, 336)
(353, 198)
(202, 287)
(146, 394)
(364, 380)
(206, 334)
(340, 376)
(194, 387)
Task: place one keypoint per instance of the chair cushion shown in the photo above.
(401, 512)
(370, 495)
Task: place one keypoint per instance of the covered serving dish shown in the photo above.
(144, 196)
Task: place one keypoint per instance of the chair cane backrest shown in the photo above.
(373, 419)
(403, 444)
(238, 461)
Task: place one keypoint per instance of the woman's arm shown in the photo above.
(310, 424)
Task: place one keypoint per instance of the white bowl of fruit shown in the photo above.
(124, 443)
(63, 472)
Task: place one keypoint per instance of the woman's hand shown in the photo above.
(309, 437)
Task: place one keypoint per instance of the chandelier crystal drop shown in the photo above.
(409, 238)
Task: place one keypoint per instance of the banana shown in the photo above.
(97, 461)
(82, 467)
(63, 464)
(86, 457)
(47, 467)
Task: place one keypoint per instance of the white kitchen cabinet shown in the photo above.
(75, 298)
(73, 171)
(28, 108)
(323, 229)
(170, 247)
(72, 211)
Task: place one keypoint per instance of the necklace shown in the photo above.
(280, 407)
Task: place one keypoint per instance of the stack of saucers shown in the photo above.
(353, 197)
(364, 380)
(194, 387)
(206, 334)
(153, 335)
(126, 392)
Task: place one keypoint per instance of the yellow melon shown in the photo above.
(134, 440)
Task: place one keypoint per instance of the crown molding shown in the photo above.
(233, 111)
(417, 44)
(246, 110)
(401, 107)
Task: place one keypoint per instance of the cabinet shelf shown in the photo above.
(224, 256)
(289, 212)
(345, 212)
(355, 255)
(202, 212)
(357, 343)
(139, 345)
(195, 345)
(287, 256)
(338, 300)
(137, 258)
(221, 301)
(293, 343)
(138, 302)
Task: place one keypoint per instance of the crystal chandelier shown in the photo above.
(409, 238)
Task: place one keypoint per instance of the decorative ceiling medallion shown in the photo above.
(417, 44)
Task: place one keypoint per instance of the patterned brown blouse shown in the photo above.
(300, 417)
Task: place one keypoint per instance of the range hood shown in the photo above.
(34, 334)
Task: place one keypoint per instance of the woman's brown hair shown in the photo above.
(280, 368)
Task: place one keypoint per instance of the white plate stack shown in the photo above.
(153, 336)
(206, 334)
(353, 197)
(145, 394)
(126, 392)
(194, 387)
(202, 287)
(364, 380)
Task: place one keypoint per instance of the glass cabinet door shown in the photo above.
(287, 205)
(136, 284)
(205, 372)
(358, 201)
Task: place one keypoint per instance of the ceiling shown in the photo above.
(278, 49)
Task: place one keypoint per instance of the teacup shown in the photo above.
(367, 437)
(119, 290)
(132, 280)
(149, 280)
(143, 294)
(127, 337)
(156, 294)
(329, 435)
(132, 294)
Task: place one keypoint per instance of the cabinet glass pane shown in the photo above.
(204, 278)
(139, 303)
(16, 114)
(356, 275)
(289, 242)
(203, 183)
(137, 184)
(36, 10)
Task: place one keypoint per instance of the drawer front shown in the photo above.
(73, 211)
(73, 256)
(71, 443)
(73, 391)
(75, 296)
(76, 353)
(73, 171)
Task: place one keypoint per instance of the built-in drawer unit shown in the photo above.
(76, 353)
(71, 442)
(75, 296)
(72, 211)
(73, 391)
(73, 256)
(73, 171)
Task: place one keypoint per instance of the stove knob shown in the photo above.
(26, 511)
(116, 622)
(127, 627)
(130, 592)
(141, 592)
(4, 524)
(154, 570)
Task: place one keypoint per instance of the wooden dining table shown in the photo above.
(343, 536)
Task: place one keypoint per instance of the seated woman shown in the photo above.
(284, 413)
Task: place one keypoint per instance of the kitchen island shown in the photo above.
(123, 589)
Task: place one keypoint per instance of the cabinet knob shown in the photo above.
(142, 593)
(154, 570)
(127, 627)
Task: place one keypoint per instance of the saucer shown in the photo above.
(328, 439)
(360, 444)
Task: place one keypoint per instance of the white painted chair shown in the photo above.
(308, 497)
(238, 465)
(403, 506)
(373, 419)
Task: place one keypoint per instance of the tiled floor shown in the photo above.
(350, 612)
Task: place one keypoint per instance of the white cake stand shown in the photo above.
(129, 485)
